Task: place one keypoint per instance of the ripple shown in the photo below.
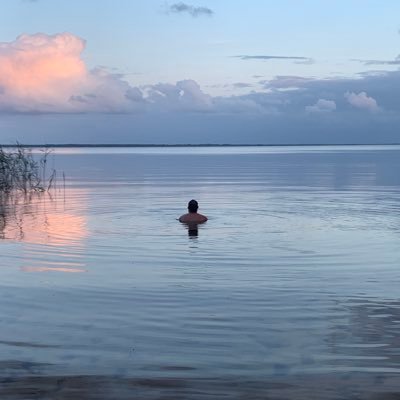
(289, 291)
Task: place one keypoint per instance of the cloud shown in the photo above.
(296, 92)
(184, 95)
(235, 85)
(189, 9)
(241, 85)
(286, 82)
(187, 96)
(45, 73)
(362, 101)
(396, 61)
(322, 105)
(298, 60)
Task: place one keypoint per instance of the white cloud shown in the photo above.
(362, 101)
(184, 95)
(322, 105)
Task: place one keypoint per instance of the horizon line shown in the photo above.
(192, 145)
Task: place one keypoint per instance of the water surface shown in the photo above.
(290, 290)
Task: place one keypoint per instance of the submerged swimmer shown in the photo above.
(193, 217)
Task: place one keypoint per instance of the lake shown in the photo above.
(291, 290)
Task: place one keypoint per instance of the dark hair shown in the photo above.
(193, 206)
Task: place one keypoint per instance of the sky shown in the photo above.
(212, 71)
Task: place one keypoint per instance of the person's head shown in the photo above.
(193, 206)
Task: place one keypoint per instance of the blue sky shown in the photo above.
(290, 69)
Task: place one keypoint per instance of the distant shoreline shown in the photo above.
(192, 145)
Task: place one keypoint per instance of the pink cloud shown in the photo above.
(362, 101)
(39, 69)
(45, 73)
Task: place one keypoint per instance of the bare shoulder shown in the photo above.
(184, 218)
(192, 217)
(203, 218)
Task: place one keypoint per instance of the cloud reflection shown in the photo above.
(51, 226)
(43, 219)
(55, 269)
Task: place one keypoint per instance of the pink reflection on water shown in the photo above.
(51, 227)
(51, 269)
(45, 219)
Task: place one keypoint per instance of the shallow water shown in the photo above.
(290, 290)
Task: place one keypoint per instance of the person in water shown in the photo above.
(193, 216)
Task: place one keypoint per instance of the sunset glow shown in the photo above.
(41, 69)
(51, 269)
(43, 221)
(37, 62)
(179, 72)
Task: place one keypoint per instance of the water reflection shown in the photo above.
(193, 230)
(48, 269)
(42, 218)
(258, 308)
(369, 340)
(50, 227)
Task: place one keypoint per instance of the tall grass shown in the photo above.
(21, 171)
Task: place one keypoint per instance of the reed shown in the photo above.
(21, 171)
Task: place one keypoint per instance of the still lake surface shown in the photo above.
(290, 290)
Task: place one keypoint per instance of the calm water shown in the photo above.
(290, 290)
